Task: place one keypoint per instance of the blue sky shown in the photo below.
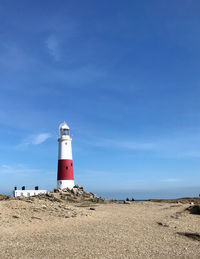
(123, 74)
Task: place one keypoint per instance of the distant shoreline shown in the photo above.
(183, 200)
(180, 200)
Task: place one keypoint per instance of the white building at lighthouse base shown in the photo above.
(28, 193)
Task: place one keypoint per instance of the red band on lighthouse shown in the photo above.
(65, 178)
(65, 170)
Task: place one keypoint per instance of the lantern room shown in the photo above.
(64, 129)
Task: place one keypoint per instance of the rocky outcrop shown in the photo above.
(76, 194)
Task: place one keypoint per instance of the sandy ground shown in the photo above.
(45, 229)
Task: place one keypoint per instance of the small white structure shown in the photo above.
(28, 193)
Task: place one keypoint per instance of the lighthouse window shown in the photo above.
(71, 164)
(66, 167)
(65, 132)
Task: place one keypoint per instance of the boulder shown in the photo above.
(194, 209)
(74, 191)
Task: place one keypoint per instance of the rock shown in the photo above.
(56, 190)
(36, 218)
(95, 199)
(162, 224)
(64, 197)
(86, 194)
(66, 190)
(80, 193)
(15, 217)
(4, 197)
(74, 191)
(195, 236)
(194, 209)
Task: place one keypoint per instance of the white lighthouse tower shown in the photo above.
(65, 178)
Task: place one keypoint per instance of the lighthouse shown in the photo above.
(65, 177)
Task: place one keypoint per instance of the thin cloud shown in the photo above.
(170, 180)
(35, 140)
(175, 146)
(53, 46)
(130, 145)
(18, 169)
(23, 170)
(137, 145)
(40, 138)
(194, 154)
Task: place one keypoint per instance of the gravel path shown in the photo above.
(43, 229)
